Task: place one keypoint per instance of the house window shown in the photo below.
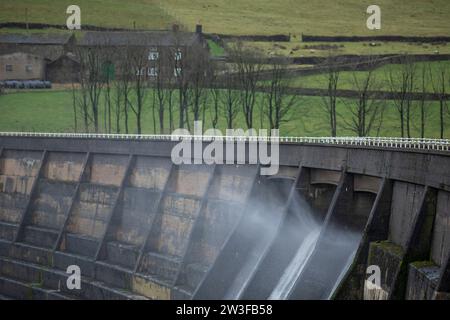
(178, 55)
(9, 68)
(28, 68)
(177, 72)
(152, 72)
(140, 72)
(153, 55)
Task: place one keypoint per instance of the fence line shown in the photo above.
(382, 142)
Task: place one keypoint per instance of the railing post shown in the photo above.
(407, 143)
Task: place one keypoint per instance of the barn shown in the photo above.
(48, 46)
(64, 69)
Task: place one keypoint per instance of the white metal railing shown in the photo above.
(384, 142)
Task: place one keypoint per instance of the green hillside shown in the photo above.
(412, 17)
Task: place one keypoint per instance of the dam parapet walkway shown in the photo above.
(387, 142)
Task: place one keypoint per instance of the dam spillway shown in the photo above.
(141, 227)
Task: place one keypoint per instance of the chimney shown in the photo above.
(198, 29)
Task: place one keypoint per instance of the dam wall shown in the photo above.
(141, 227)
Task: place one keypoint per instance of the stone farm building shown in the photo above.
(142, 53)
(64, 69)
(21, 66)
(146, 54)
(34, 56)
(48, 46)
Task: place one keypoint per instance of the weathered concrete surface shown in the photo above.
(18, 171)
(325, 177)
(405, 208)
(423, 278)
(363, 183)
(388, 257)
(140, 226)
(376, 229)
(440, 248)
(423, 168)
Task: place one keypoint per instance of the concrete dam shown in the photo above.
(140, 227)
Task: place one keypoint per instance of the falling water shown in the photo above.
(295, 268)
(241, 281)
(351, 242)
(280, 252)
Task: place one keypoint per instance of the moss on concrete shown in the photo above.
(390, 247)
(423, 264)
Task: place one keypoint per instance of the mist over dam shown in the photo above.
(140, 227)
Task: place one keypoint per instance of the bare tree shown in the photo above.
(138, 62)
(95, 82)
(122, 88)
(170, 101)
(178, 64)
(277, 99)
(83, 105)
(197, 71)
(74, 104)
(249, 65)
(215, 90)
(161, 82)
(127, 76)
(366, 111)
(401, 82)
(108, 74)
(229, 99)
(81, 96)
(423, 105)
(439, 82)
(329, 101)
(118, 105)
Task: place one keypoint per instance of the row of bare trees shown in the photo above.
(118, 86)
(404, 81)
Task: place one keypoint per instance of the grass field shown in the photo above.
(107, 13)
(323, 17)
(381, 76)
(51, 111)
(297, 48)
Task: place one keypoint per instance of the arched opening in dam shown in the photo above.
(140, 227)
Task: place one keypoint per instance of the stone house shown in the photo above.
(58, 57)
(146, 54)
(48, 46)
(21, 66)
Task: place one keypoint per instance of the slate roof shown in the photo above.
(69, 56)
(20, 54)
(141, 38)
(48, 39)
